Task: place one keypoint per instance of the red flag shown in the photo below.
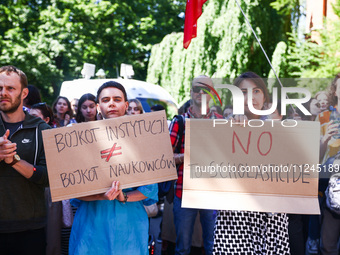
(192, 12)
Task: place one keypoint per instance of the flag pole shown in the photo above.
(264, 52)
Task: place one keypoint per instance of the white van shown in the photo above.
(149, 94)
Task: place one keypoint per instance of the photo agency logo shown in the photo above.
(243, 97)
(263, 149)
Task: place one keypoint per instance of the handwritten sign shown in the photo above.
(271, 168)
(84, 159)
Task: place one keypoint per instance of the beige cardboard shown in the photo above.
(292, 188)
(79, 161)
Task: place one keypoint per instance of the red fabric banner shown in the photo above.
(192, 12)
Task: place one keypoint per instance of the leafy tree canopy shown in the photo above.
(224, 47)
(304, 58)
(50, 40)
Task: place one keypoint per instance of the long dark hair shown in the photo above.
(79, 116)
(33, 96)
(258, 82)
(45, 110)
(69, 112)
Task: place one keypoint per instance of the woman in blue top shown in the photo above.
(114, 222)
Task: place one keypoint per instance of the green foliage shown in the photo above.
(279, 64)
(278, 60)
(336, 8)
(224, 47)
(285, 6)
(50, 40)
(291, 9)
(308, 59)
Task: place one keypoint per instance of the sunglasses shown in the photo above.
(197, 89)
(135, 109)
(39, 105)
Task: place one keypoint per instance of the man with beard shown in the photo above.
(185, 217)
(23, 173)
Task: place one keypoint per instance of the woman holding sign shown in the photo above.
(246, 232)
(114, 222)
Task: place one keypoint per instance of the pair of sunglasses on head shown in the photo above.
(197, 89)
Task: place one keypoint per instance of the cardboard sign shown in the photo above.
(84, 159)
(271, 168)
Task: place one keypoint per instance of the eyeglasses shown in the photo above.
(197, 89)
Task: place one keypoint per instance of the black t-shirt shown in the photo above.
(12, 127)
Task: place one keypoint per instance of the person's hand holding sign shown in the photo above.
(332, 129)
(7, 148)
(113, 192)
(240, 119)
(67, 119)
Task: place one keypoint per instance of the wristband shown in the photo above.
(180, 158)
(125, 197)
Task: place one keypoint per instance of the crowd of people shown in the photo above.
(116, 222)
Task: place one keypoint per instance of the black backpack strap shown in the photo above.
(180, 120)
